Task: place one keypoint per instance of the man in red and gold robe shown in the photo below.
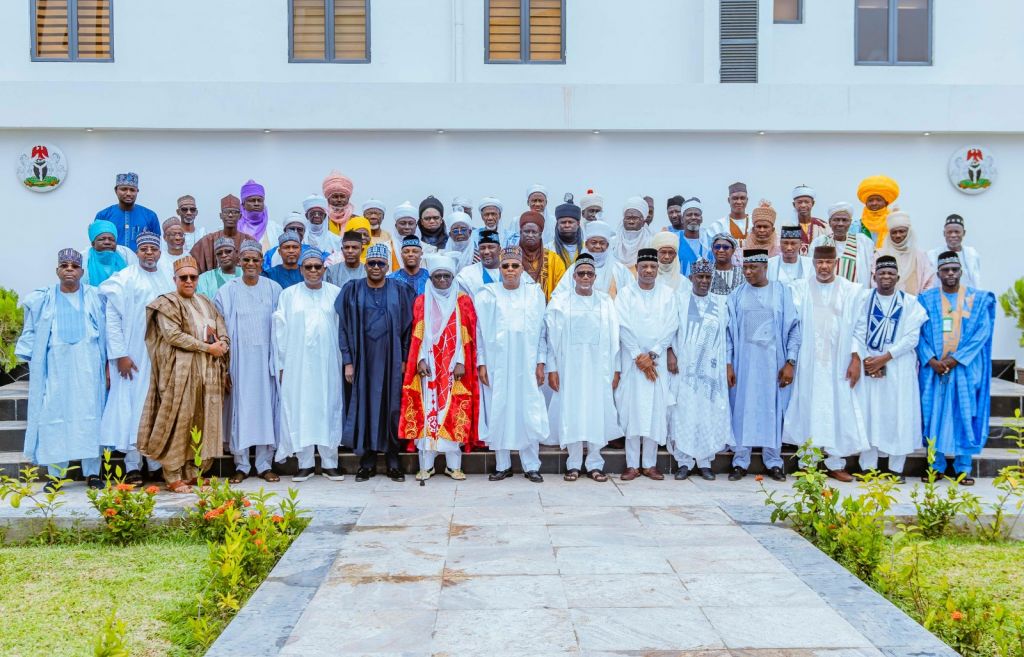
(440, 399)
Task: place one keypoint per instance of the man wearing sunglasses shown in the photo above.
(227, 269)
(513, 415)
(375, 330)
(189, 343)
(308, 366)
(230, 214)
(247, 305)
(63, 342)
(188, 212)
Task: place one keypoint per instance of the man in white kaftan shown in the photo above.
(700, 422)
(247, 305)
(825, 407)
(126, 295)
(307, 360)
(647, 325)
(583, 371)
(513, 415)
(789, 265)
(472, 278)
(63, 342)
(612, 275)
(889, 392)
(855, 252)
(953, 233)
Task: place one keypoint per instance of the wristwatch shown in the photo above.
(791, 361)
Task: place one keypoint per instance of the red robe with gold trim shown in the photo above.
(455, 407)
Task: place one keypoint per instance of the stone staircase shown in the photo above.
(999, 452)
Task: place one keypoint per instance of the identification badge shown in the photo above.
(947, 324)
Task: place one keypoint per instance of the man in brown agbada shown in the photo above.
(187, 341)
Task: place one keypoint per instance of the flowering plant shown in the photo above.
(125, 511)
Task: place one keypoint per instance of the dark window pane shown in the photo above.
(872, 30)
(912, 27)
(787, 11)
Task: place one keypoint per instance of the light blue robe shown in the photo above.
(955, 408)
(67, 382)
(758, 342)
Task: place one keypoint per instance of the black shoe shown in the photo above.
(737, 474)
(682, 473)
(334, 474)
(133, 477)
(533, 476)
(777, 474)
(966, 481)
(302, 474)
(499, 475)
(94, 482)
(394, 474)
(706, 474)
(898, 476)
(364, 474)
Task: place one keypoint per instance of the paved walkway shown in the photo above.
(511, 568)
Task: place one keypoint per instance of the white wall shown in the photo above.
(408, 166)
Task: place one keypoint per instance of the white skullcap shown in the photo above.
(692, 203)
(535, 189)
(439, 262)
(374, 204)
(597, 229)
(294, 218)
(802, 190)
(841, 206)
(406, 211)
(592, 199)
(314, 201)
(459, 217)
(488, 201)
(898, 219)
(462, 202)
(636, 203)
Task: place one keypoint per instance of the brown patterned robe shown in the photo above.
(186, 388)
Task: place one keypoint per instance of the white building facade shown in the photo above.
(625, 98)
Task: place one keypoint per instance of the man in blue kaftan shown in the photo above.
(129, 217)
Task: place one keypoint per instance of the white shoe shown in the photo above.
(423, 475)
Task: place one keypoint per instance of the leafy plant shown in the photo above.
(1008, 505)
(45, 502)
(125, 511)
(1012, 302)
(111, 640)
(12, 318)
(936, 510)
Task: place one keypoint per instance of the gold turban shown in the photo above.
(876, 220)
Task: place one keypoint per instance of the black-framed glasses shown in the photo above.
(723, 247)
(586, 274)
(233, 212)
(188, 278)
(251, 261)
(510, 265)
(376, 264)
(186, 209)
(312, 267)
(442, 276)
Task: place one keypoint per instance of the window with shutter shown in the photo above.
(335, 31)
(525, 32)
(738, 40)
(72, 30)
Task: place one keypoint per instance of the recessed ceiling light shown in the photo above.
(596, 132)
(266, 131)
(440, 132)
(88, 129)
(760, 132)
(926, 134)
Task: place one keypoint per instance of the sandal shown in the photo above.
(179, 486)
(571, 475)
(597, 475)
(269, 475)
(238, 477)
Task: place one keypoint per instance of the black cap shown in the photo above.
(647, 255)
(675, 200)
(488, 237)
(431, 202)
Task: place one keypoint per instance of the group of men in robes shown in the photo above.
(295, 339)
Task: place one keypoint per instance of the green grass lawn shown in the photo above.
(54, 599)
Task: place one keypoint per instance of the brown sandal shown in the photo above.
(179, 486)
(597, 475)
(270, 476)
(238, 477)
(571, 475)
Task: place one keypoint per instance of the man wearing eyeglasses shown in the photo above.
(375, 330)
(247, 305)
(513, 415)
(188, 340)
(227, 269)
(188, 212)
(63, 342)
(308, 366)
(230, 214)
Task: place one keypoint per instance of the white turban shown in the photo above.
(459, 217)
(374, 204)
(462, 202)
(439, 262)
(597, 229)
(692, 203)
(636, 203)
(488, 201)
(314, 201)
(591, 199)
(406, 211)
(534, 189)
(294, 218)
(841, 206)
(898, 219)
(802, 190)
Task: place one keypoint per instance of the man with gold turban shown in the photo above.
(877, 193)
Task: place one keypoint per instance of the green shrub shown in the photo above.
(12, 318)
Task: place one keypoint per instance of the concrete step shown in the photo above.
(987, 464)
(12, 435)
(14, 401)
(1006, 397)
